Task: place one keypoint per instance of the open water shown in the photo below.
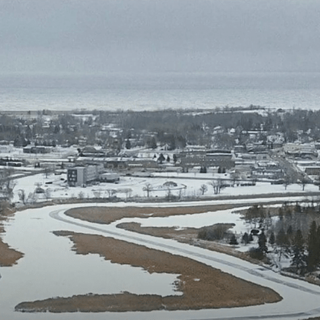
(139, 92)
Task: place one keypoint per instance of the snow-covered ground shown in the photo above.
(187, 185)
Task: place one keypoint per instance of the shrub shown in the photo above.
(245, 238)
(212, 233)
(233, 240)
(256, 253)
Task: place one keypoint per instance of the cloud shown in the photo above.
(152, 35)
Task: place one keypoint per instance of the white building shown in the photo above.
(82, 175)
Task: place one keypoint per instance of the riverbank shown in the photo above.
(8, 255)
(202, 286)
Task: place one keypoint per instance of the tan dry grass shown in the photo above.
(8, 256)
(202, 286)
(107, 215)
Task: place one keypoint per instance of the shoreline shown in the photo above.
(126, 301)
(202, 286)
(8, 256)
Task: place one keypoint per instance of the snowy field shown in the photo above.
(185, 186)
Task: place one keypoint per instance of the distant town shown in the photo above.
(243, 145)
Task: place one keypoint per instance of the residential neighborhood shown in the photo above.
(89, 148)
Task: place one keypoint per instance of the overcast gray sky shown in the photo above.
(99, 36)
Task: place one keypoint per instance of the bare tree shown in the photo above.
(169, 193)
(286, 181)
(47, 193)
(147, 188)
(317, 182)
(235, 176)
(203, 189)
(7, 184)
(81, 195)
(111, 192)
(216, 185)
(97, 194)
(128, 192)
(32, 198)
(303, 182)
(48, 170)
(22, 196)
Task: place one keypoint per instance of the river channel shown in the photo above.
(50, 268)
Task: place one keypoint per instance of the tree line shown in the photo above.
(287, 235)
(174, 128)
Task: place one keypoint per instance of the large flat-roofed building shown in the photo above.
(220, 158)
(210, 158)
(76, 176)
(81, 175)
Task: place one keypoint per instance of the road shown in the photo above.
(291, 170)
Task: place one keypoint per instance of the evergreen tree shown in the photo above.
(161, 158)
(290, 233)
(299, 257)
(175, 158)
(245, 238)
(283, 243)
(203, 169)
(233, 240)
(298, 207)
(128, 144)
(262, 240)
(272, 238)
(152, 143)
(280, 214)
(312, 246)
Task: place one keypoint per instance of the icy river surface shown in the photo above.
(50, 268)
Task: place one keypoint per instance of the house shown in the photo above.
(275, 141)
(313, 170)
(91, 152)
(117, 164)
(37, 149)
(10, 162)
(302, 150)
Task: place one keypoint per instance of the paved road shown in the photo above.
(300, 299)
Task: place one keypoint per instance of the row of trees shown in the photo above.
(174, 128)
(289, 234)
(7, 183)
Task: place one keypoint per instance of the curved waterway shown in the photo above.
(50, 268)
